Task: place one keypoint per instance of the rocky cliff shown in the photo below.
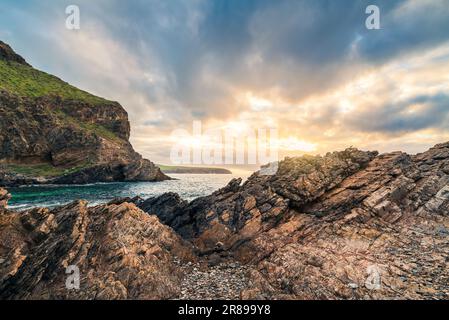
(348, 225)
(52, 132)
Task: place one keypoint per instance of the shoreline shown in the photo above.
(189, 186)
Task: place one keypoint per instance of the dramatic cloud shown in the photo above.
(309, 67)
(411, 115)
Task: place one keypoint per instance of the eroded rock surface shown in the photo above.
(121, 253)
(237, 212)
(350, 225)
(4, 197)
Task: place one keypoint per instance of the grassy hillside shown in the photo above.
(50, 129)
(42, 169)
(92, 127)
(26, 81)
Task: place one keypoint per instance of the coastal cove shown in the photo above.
(188, 186)
(223, 158)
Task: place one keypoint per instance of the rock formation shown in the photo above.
(51, 132)
(347, 225)
(4, 197)
(230, 214)
(120, 252)
(8, 54)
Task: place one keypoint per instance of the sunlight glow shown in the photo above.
(257, 103)
(294, 144)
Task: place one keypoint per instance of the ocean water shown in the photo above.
(188, 186)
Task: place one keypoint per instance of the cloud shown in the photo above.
(412, 25)
(171, 62)
(417, 113)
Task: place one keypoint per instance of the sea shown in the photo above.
(188, 186)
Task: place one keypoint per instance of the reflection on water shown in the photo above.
(188, 186)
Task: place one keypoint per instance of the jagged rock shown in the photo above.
(135, 200)
(167, 206)
(382, 229)
(349, 225)
(121, 253)
(235, 213)
(4, 197)
(303, 179)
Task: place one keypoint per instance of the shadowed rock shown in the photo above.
(4, 197)
(121, 253)
(168, 207)
(235, 213)
(349, 225)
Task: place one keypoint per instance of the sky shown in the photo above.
(310, 69)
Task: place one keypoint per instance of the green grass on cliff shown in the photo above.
(92, 127)
(100, 130)
(42, 169)
(28, 82)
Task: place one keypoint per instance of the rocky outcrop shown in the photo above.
(51, 132)
(7, 53)
(137, 170)
(230, 214)
(350, 225)
(380, 234)
(167, 207)
(4, 197)
(119, 251)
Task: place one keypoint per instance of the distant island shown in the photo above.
(192, 170)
